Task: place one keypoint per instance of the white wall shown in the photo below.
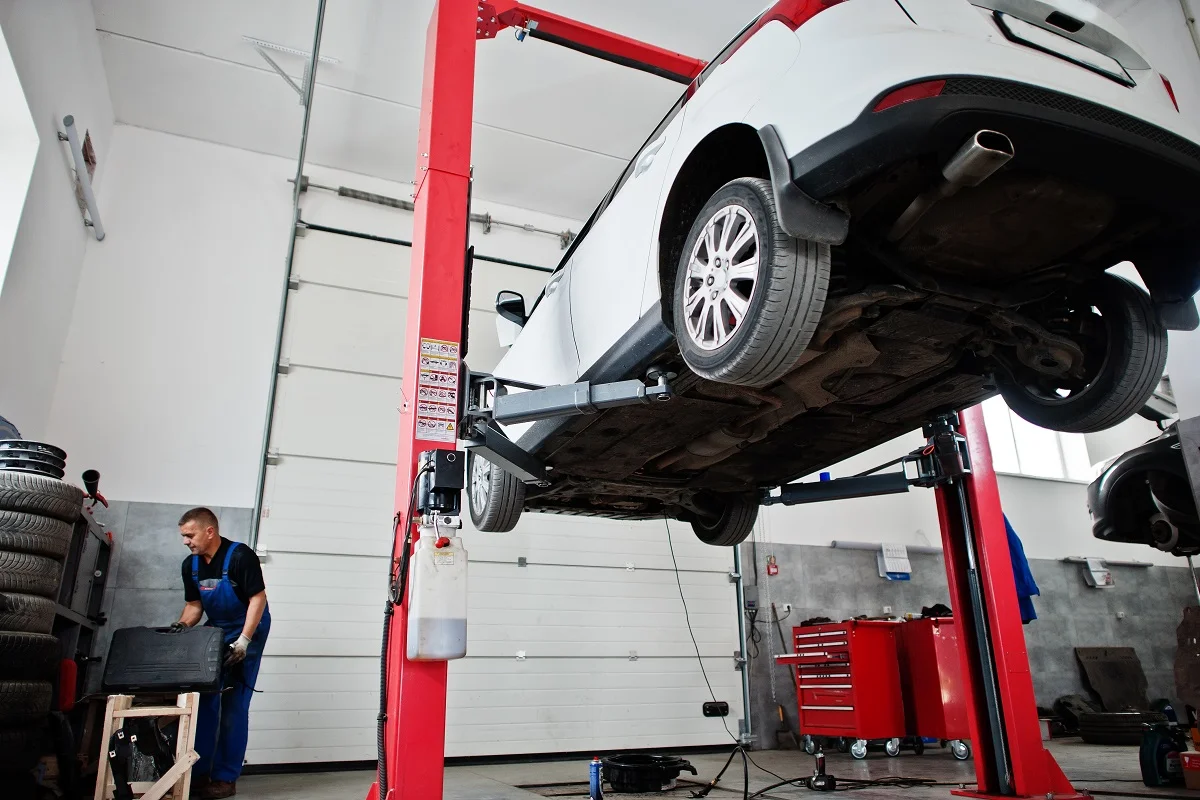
(54, 49)
(18, 152)
(167, 364)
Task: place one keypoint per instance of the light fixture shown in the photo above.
(83, 176)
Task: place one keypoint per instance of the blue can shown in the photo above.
(597, 793)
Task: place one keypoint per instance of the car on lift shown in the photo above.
(860, 214)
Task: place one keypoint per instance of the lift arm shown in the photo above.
(605, 45)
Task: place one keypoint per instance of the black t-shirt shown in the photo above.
(245, 573)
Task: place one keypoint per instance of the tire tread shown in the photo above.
(37, 494)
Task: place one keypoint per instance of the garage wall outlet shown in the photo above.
(887, 609)
(1120, 615)
(787, 608)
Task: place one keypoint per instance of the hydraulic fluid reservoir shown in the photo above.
(437, 597)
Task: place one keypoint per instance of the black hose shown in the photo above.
(396, 587)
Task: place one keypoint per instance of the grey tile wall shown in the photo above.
(836, 583)
(144, 586)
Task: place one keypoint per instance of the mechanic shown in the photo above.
(223, 580)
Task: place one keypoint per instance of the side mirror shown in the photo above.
(511, 306)
(510, 319)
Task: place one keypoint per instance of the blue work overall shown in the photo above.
(223, 723)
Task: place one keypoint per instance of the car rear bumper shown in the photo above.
(1135, 161)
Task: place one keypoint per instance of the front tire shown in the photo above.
(1129, 353)
(731, 525)
(494, 497)
(748, 297)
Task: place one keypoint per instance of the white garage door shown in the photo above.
(583, 647)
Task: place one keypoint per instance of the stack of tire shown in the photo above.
(1120, 728)
(37, 512)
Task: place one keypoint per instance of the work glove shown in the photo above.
(177, 627)
(237, 651)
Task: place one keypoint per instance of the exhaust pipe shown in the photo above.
(975, 162)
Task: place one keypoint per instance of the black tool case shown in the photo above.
(159, 660)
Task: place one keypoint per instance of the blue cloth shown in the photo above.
(223, 724)
(1027, 587)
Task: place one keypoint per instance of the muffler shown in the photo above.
(975, 162)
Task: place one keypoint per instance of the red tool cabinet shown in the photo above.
(848, 679)
(931, 672)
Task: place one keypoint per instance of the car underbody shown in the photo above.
(988, 285)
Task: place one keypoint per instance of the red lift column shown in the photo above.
(1009, 757)
(415, 729)
(415, 723)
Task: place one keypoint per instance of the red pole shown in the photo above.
(415, 740)
(1034, 770)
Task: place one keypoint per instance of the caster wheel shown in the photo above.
(810, 745)
(960, 749)
(859, 749)
(919, 747)
(843, 744)
(892, 748)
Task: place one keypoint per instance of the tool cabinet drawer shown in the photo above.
(814, 719)
(834, 698)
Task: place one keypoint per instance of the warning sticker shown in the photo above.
(443, 559)
(437, 391)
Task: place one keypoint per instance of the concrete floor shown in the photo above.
(1103, 769)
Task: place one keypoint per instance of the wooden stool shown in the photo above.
(178, 780)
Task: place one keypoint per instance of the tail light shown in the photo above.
(795, 13)
(906, 94)
(1170, 91)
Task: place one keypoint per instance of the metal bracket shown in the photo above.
(283, 366)
(734, 577)
(301, 229)
(491, 443)
(293, 282)
(943, 459)
(522, 561)
(272, 458)
(739, 660)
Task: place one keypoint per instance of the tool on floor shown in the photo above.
(821, 782)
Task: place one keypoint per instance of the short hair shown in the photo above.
(202, 515)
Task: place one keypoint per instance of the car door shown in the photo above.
(544, 352)
(611, 263)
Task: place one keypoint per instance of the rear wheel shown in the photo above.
(1125, 352)
(731, 521)
(495, 497)
(748, 297)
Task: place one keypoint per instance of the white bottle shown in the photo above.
(437, 597)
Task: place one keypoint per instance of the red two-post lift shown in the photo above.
(1010, 759)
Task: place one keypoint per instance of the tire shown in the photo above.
(960, 749)
(1135, 354)
(735, 523)
(26, 613)
(26, 574)
(495, 497)
(19, 748)
(781, 304)
(34, 534)
(24, 702)
(28, 656)
(37, 494)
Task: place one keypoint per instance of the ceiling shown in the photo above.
(553, 128)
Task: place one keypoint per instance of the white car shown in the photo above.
(860, 214)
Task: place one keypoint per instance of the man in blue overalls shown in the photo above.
(223, 580)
